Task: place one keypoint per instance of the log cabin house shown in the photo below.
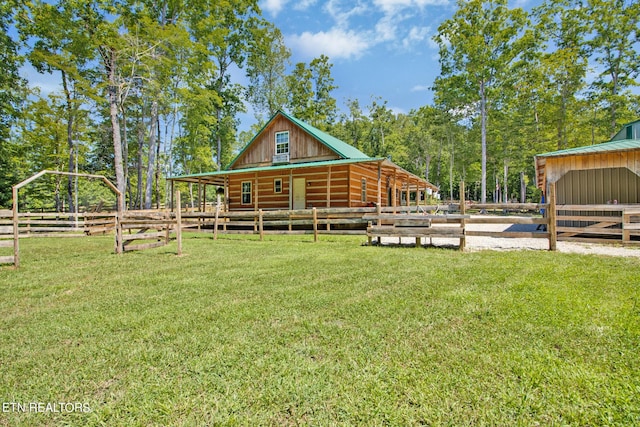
(290, 164)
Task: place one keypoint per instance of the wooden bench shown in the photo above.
(417, 226)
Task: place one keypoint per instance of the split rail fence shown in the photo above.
(7, 245)
(138, 230)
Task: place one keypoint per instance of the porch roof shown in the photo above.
(218, 177)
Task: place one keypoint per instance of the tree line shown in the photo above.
(149, 89)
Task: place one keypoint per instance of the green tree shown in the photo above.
(301, 94)
(324, 105)
(64, 49)
(11, 95)
(223, 31)
(266, 69)
(478, 46)
(614, 45)
(310, 88)
(562, 66)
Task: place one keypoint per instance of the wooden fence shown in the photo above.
(50, 224)
(152, 227)
(6, 237)
(599, 223)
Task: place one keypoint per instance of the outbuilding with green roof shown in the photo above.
(595, 174)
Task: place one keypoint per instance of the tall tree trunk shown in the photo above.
(506, 186)
(157, 172)
(125, 154)
(218, 141)
(427, 164)
(109, 57)
(483, 114)
(139, 163)
(70, 145)
(151, 161)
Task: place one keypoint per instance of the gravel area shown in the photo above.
(495, 243)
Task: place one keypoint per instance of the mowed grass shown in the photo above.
(291, 332)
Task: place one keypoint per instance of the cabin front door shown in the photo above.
(299, 193)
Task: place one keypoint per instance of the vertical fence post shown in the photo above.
(626, 223)
(261, 224)
(551, 216)
(215, 221)
(16, 232)
(463, 222)
(315, 225)
(178, 223)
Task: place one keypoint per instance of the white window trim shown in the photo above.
(363, 190)
(242, 192)
(275, 187)
(286, 132)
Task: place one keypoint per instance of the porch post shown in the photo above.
(329, 187)
(394, 197)
(379, 198)
(257, 201)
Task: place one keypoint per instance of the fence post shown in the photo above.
(463, 222)
(315, 225)
(178, 222)
(215, 221)
(551, 216)
(261, 224)
(16, 232)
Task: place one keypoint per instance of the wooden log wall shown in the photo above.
(324, 187)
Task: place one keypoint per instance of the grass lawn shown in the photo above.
(289, 332)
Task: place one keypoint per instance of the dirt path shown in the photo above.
(494, 243)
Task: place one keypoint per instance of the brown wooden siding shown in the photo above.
(316, 188)
(302, 146)
(556, 167)
(345, 187)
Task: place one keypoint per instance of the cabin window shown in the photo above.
(246, 193)
(364, 190)
(282, 142)
(277, 186)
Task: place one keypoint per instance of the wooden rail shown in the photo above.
(599, 223)
(150, 226)
(6, 237)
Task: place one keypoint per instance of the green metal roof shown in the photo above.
(343, 149)
(194, 177)
(622, 145)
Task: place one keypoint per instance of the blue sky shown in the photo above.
(378, 48)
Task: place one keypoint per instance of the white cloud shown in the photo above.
(304, 4)
(393, 6)
(342, 15)
(335, 43)
(386, 29)
(420, 88)
(273, 6)
(416, 35)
